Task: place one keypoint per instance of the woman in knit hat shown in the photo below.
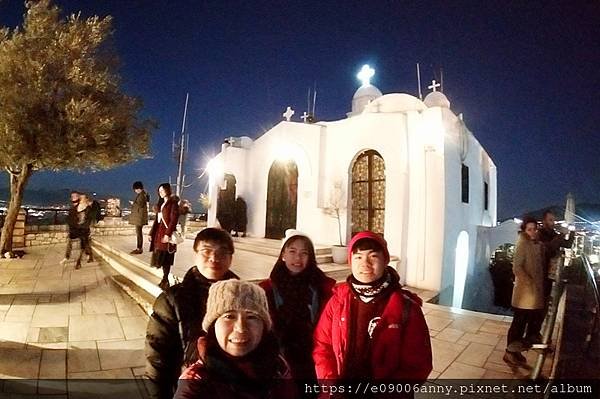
(372, 329)
(239, 356)
(297, 291)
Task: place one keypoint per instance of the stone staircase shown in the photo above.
(135, 277)
(253, 260)
(273, 247)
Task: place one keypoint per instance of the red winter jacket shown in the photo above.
(170, 214)
(400, 347)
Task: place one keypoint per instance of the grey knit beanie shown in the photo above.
(228, 295)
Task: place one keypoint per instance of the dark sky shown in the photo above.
(525, 75)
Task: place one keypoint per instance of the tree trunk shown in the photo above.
(18, 181)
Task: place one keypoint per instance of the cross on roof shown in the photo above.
(289, 112)
(365, 75)
(433, 85)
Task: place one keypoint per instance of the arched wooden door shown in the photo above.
(368, 193)
(226, 203)
(282, 198)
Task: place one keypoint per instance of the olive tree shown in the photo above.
(61, 104)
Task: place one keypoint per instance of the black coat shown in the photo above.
(173, 329)
(139, 210)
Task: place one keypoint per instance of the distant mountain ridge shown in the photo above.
(43, 197)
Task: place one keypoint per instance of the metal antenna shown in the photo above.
(179, 189)
(419, 81)
(441, 79)
(308, 101)
(314, 100)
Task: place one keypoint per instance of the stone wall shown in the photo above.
(18, 239)
(55, 234)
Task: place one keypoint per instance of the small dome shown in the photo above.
(363, 96)
(437, 99)
(395, 102)
(367, 91)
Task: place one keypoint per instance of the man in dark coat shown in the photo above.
(139, 214)
(553, 241)
(176, 322)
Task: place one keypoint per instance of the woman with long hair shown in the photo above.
(297, 291)
(165, 223)
(528, 294)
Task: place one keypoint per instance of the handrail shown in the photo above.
(590, 275)
(558, 295)
(551, 314)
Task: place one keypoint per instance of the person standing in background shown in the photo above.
(72, 225)
(139, 214)
(184, 210)
(163, 252)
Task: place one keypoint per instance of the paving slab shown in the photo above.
(58, 322)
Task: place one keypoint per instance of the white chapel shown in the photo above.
(408, 169)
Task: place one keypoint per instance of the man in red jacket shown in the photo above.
(371, 328)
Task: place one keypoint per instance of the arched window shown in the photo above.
(368, 193)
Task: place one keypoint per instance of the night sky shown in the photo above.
(525, 75)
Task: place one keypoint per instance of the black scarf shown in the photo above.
(296, 293)
(366, 292)
(253, 373)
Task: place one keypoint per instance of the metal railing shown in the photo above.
(593, 284)
(574, 267)
(556, 296)
(30, 213)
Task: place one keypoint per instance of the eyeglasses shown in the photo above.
(214, 252)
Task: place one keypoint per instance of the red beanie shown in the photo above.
(370, 235)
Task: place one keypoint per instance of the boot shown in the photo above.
(78, 265)
(164, 284)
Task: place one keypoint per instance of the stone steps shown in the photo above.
(136, 278)
(140, 281)
(273, 248)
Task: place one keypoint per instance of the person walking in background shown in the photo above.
(297, 290)
(139, 214)
(184, 210)
(240, 217)
(72, 225)
(528, 294)
(239, 356)
(83, 212)
(176, 320)
(165, 223)
(371, 328)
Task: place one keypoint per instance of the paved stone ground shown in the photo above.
(60, 323)
(57, 322)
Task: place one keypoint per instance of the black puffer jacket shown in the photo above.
(173, 329)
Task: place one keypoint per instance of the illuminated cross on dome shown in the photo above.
(304, 116)
(434, 85)
(365, 75)
(289, 112)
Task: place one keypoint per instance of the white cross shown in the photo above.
(365, 75)
(433, 85)
(304, 116)
(289, 112)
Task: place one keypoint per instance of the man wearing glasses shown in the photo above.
(176, 321)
